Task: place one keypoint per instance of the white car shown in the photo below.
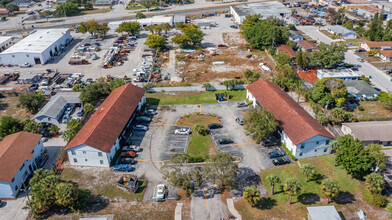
(132, 148)
(140, 128)
(151, 112)
(25, 65)
(161, 191)
(182, 131)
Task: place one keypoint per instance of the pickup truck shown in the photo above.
(78, 61)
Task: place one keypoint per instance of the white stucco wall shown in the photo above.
(251, 98)
(316, 146)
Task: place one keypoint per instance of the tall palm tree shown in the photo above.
(272, 180)
(307, 170)
(330, 189)
(375, 183)
(292, 187)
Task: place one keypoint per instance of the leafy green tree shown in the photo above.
(200, 129)
(330, 188)
(148, 3)
(31, 101)
(9, 125)
(389, 209)
(116, 83)
(206, 85)
(250, 21)
(375, 30)
(140, 15)
(155, 41)
(330, 55)
(374, 183)
(72, 128)
(166, 27)
(252, 195)
(54, 129)
(378, 155)
(88, 108)
(259, 123)
(68, 9)
(191, 35)
(308, 170)
(132, 27)
(88, 6)
(188, 180)
(30, 125)
(12, 7)
(66, 194)
(282, 58)
(338, 115)
(386, 99)
(78, 88)
(349, 25)
(292, 187)
(273, 180)
(329, 92)
(93, 27)
(286, 78)
(179, 25)
(300, 58)
(94, 91)
(221, 169)
(150, 28)
(322, 118)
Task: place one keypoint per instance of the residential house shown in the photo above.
(342, 31)
(359, 89)
(307, 46)
(370, 45)
(23, 3)
(385, 55)
(295, 36)
(104, 2)
(286, 49)
(53, 111)
(344, 74)
(370, 132)
(322, 213)
(100, 138)
(6, 13)
(5, 42)
(310, 77)
(19, 153)
(368, 12)
(300, 133)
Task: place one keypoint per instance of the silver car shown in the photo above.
(182, 131)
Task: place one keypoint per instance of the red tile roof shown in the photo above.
(15, 149)
(359, 1)
(372, 9)
(307, 45)
(387, 53)
(106, 124)
(294, 121)
(309, 75)
(287, 49)
(373, 44)
(4, 12)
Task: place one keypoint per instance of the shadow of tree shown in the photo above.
(266, 203)
(317, 177)
(344, 198)
(308, 198)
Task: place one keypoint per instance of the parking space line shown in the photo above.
(200, 108)
(205, 198)
(149, 161)
(165, 124)
(246, 143)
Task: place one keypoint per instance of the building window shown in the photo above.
(24, 174)
(99, 154)
(101, 161)
(327, 142)
(13, 55)
(73, 152)
(315, 150)
(325, 150)
(302, 146)
(317, 142)
(84, 152)
(27, 55)
(75, 160)
(85, 159)
(23, 165)
(16, 188)
(13, 179)
(300, 154)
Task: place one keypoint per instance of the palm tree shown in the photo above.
(251, 195)
(307, 170)
(375, 183)
(88, 108)
(292, 187)
(272, 180)
(330, 189)
(206, 85)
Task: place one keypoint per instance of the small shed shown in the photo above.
(322, 213)
(131, 185)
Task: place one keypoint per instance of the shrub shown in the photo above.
(361, 108)
(200, 129)
(378, 200)
(288, 152)
(195, 159)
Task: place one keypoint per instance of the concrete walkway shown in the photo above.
(177, 211)
(192, 88)
(233, 211)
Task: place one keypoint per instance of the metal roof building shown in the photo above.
(144, 21)
(344, 74)
(37, 48)
(322, 213)
(265, 9)
(370, 132)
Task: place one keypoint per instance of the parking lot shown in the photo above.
(174, 143)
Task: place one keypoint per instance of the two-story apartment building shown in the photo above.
(19, 153)
(99, 139)
(301, 133)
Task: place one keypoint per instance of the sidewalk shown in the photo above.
(193, 88)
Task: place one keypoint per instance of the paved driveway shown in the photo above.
(13, 209)
(174, 143)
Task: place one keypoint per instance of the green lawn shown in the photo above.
(199, 145)
(178, 98)
(135, 7)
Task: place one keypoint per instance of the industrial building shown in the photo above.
(37, 48)
(170, 19)
(5, 42)
(370, 132)
(342, 31)
(344, 74)
(265, 9)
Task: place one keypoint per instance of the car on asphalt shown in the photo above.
(269, 143)
(135, 148)
(161, 191)
(280, 161)
(126, 160)
(214, 126)
(354, 69)
(128, 154)
(93, 37)
(361, 60)
(222, 45)
(223, 141)
(360, 50)
(123, 168)
(242, 104)
(25, 65)
(182, 131)
(389, 72)
(151, 112)
(239, 120)
(140, 128)
(275, 154)
(143, 119)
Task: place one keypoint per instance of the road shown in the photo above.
(379, 78)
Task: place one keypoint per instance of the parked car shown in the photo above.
(239, 120)
(222, 141)
(143, 119)
(128, 154)
(361, 60)
(360, 50)
(25, 65)
(140, 128)
(45, 82)
(135, 148)
(123, 168)
(151, 112)
(214, 126)
(269, 143)
(80, 112)
(389, 72)
(126, 160)
(65, 119)
(161, 191)
(221, 45)
(182, 131)
(280, 161)
(93, 37)
(242, 104)
(275, 154)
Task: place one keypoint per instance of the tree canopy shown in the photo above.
(93, 27)
(386, 99)
(259, 123)
(221, 169)
(68, 9)
(155, 41)
(330, 91)
(12, 7)
(131, 27)
(72, 128)
(31, 101)
(329, 55)
(9, 125)
(191, 35)
(252, 195)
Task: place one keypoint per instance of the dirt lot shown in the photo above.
(9, 107)
(372, 109)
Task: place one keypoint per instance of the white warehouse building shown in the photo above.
(37, 48)
(265, 9)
